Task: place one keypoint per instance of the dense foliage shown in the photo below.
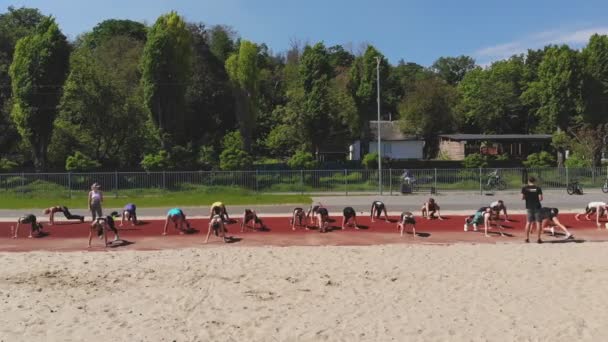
(179, 95)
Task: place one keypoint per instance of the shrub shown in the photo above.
(7, 165)
(541, 159)
(370, 161)
(475, 160)
(80, 162)
(156, 162)
(234, 157)
(575, 161)
(302, 160)
(502, 157)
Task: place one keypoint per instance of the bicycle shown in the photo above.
(495, 183)
(574, 187)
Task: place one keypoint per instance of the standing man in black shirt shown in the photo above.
(533, 195)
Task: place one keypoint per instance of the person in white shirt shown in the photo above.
(597, 208)
(497, 207)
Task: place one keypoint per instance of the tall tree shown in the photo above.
(108, 29)
(428, 112)
(595, 80)
(39, 68)
(166, 69)
(243, 71)
(221, 41)
(453, 69)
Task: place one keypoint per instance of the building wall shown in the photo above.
(452, 149)
(406, 149)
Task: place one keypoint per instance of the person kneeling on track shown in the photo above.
(322, 219)
(61, 209)
(550, 220)
(598, 208)
(497, 207)
(429, 208)
(129, 214)
(34, 225)
(349, 217)
(298, 216)
(218, 208)
(377, 208)
(178, 218)
(407, 218)
(251, 217)
(219, 228)
(101, 225)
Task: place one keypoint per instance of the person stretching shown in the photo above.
(597, 208)
(250, 220)
(218, 208)
(219, 228)
(178, 218)
(312, 212)
(129, 214)
(101, 225)
(298, 215)
(429, 208)
(34, 226)
(61, 209)
(497, 207)
(483, 215)
(349, 217)
(322, 219)
(377, 208)
(550, 220)
(407, 219)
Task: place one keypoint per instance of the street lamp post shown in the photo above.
(379, 140)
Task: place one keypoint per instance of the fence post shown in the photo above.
(390, 180)
(480, 183)
(164, 181)
(70, 184)
(346, 181)
(567, 177)
(116, 183)
(302, 182)
(22, 183)
(435, 181)
(256, 180)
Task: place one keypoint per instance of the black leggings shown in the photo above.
(70, 216)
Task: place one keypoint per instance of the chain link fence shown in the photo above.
(301, 181)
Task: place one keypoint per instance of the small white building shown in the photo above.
(394, 144)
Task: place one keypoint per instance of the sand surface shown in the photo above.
(463, 292)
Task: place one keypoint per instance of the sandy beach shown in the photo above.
(459, 292)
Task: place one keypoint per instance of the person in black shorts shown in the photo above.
(533, 195)
(377, 208)
(407, 218)
(298, 215)
(550, 221)
(250, 217)
(497, 207)
(219, 228)
(34, 225)
(101, 225)
(61, 209)
(429, 208)
(348, 215)
(312, 212)
(322, 219)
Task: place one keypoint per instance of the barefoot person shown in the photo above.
(550, 221)
(429, 208)
(61, 209)
(129, 214)
(298, 216)
(482, 216)
(251, 220)
(532, 195)
(218, 208)
(218, 226)
(407, 219)
(95, 201)
(178, 218)
(322, 219)
(101, 225)
(598, 208)
(312, 212)
(497, 207)
(377, 208)
(34, 225)
(349, 217)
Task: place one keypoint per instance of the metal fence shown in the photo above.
(303, 181)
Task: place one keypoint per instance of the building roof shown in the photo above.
(497, 137)
(389, 131)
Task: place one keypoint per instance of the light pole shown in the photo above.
(379, 149)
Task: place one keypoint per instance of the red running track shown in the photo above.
(73, 236)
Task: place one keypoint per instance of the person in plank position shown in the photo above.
(377, 208)
(407, 219)
(34, 225)
(598, 208)
(178, 218)
(251, 220)
(298, 217)
(61, 209)
(349, 217)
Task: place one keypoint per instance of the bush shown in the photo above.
(207, 158)
(302, 160)
(575, 161)
(502, 157)
(7, 165)
(370, 161)
(475, 160)
(156, 162)
(80, 162)
(234, 157)
(541, 159)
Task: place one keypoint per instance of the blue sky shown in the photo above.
(414, 30)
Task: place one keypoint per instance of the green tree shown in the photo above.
(595, 80)
(108, 29)
(428, 112)
(80, 162)
(453, 69)
(302, 160)
(234, 156)
(166, 69)
(221, 42)
(243, 71)
(39, 68)
(539, 160)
